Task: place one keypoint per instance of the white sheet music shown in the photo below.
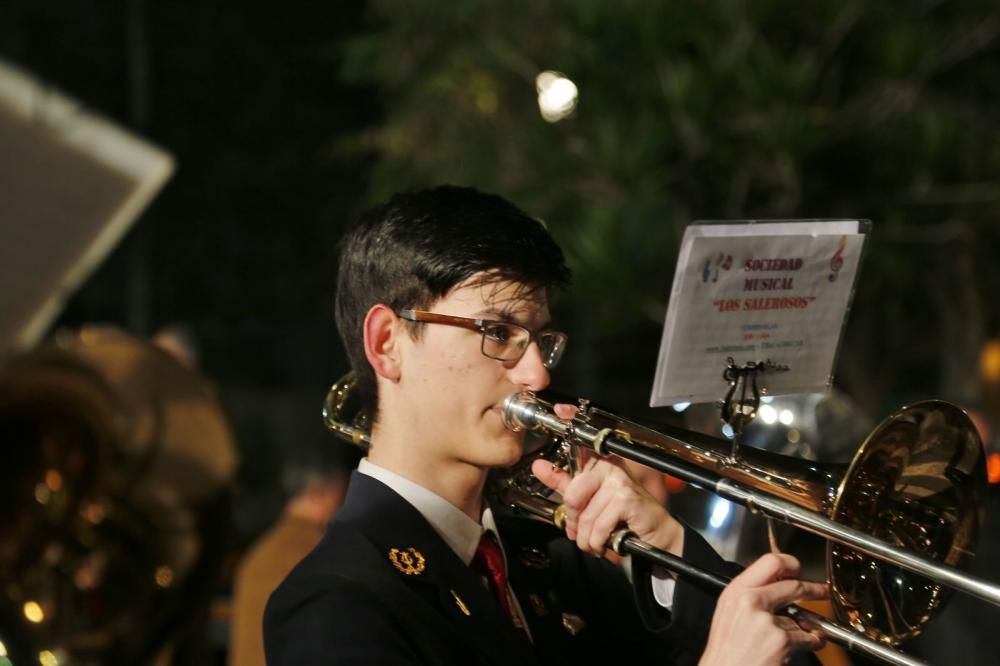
(777, 291)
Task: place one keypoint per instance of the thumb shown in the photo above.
(553, 477)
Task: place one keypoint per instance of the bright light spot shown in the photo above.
(86, 577)
(720, 511)
(53, 479)
(681, 406)
(557, 96)
(727, 430)
(3, 649)
(768, 414)
(46, 658)
(42, 493)
(33, 612)
(993, 468)
(93, 512)
(786, 416)
(989, 361)
(164, 576)
(794, 436)
(766, 398)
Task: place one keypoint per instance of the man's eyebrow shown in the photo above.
(505, 316)
(495, 314)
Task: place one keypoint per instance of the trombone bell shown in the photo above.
(917, 482)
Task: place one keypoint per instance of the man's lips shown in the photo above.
(498, 410)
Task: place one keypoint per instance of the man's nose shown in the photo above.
(530, 372)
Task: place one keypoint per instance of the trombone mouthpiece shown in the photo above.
(520, 411)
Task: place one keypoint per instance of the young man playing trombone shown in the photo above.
(442, 304)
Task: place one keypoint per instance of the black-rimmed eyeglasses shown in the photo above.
(502, 340)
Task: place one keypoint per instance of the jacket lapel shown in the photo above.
(421, 560)
(535, 573)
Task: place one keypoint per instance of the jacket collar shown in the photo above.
(420, 558)
(458, 530)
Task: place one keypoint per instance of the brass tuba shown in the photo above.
(117, 461)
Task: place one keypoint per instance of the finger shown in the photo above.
(553, 477)
(623, 504)
(803, 641)
(816, 633)
(578, 497)
(819, 636)
(789, 623)
(798, 639)
(767, 569)
(564, 410)
(784, 592)
(786, 623)
(592, 535)
(611, 519)
(581, 489)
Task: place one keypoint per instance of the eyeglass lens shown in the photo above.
(507, 342)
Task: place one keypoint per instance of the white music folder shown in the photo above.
(71, 184)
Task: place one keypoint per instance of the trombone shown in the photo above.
(901, 519)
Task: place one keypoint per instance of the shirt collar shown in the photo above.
(460, 532)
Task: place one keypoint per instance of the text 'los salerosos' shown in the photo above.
(760, 281)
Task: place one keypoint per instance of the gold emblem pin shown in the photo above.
(461, 604)
(574, 624)
(408, 561)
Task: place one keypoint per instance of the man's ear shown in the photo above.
(382, 330)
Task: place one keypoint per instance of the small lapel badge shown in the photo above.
(461, 604)
(534, 558)
(538, 605)
(574, 624)
(410, 561)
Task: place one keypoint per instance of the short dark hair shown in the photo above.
(412, 250)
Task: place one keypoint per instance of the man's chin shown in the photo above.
(508, 450)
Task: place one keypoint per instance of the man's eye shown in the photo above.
(497, 332)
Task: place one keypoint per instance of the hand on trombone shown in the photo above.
(601, 498)
(747, 627)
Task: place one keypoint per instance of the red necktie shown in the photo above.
(488, 561)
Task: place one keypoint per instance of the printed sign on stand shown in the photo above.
(757, 292)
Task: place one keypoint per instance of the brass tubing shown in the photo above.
(524, 411)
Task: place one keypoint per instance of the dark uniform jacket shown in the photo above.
(383, 588)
